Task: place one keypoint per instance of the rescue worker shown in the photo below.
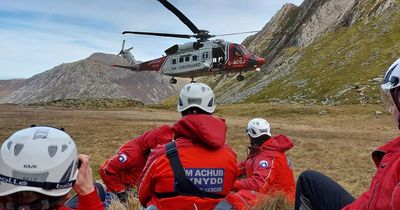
(317, 191)
(197, 169)
(266, 169)
(39, 166)
(122, 172)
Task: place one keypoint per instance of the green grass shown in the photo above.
(167, 104)
(293, 110)
(104, 103)
(346, 58)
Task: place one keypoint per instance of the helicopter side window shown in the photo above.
(205, 55)
(174, 61)
(194, 58)
(180, 59)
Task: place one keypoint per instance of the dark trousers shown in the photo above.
(318, 192)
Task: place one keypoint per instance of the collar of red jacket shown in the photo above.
(391, 146)
(279, 143)
(202, 128)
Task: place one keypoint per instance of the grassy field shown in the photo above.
(337, 141)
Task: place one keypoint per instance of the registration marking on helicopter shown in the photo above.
(237, 61)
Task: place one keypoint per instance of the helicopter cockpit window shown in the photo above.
(244, 50)
(194, 58)
(174, 61)
(236, 51)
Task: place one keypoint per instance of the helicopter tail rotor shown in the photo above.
(125, 53)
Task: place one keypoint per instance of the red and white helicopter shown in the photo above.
(195, 59)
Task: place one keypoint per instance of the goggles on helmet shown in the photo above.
(29, 200)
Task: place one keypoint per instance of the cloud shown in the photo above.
(36, 35)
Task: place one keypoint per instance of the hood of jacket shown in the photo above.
(152, 138)
(279, 143)
(201, 128)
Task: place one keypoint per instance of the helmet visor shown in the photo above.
(387, 100)
(391, 99)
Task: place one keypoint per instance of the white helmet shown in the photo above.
(39, 159)
(389, 88)
(257, 127)
(196, 95)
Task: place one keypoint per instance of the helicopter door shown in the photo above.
(218, 56)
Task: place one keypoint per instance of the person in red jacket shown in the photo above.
(317, 191)
(196, 170)
(39, 166)
(266, 169)
(122, 172)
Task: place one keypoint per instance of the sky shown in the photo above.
(36, 35)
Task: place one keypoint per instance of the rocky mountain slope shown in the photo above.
(8, 86)
(89, 78)
(323, 51)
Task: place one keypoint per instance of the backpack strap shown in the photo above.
(183, 186)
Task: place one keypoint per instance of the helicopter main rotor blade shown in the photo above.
(247, 32)
(123, 45)
(180, 15)
(185, 36)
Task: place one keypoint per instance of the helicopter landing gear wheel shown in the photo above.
(240, 77)
(173, 81)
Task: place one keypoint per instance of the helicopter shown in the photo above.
(195, 59)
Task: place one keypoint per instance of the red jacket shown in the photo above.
(124, 169)
(384, 192)
(267, 170)
(200, 141)
(90, 201)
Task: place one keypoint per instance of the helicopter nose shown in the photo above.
(256, 62)
(260, 61)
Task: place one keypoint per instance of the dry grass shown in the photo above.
(338, 143)
(131, 204)
(278, 202)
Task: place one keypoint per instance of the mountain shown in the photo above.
(89, 78)
(8, 86)
(323, 51)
